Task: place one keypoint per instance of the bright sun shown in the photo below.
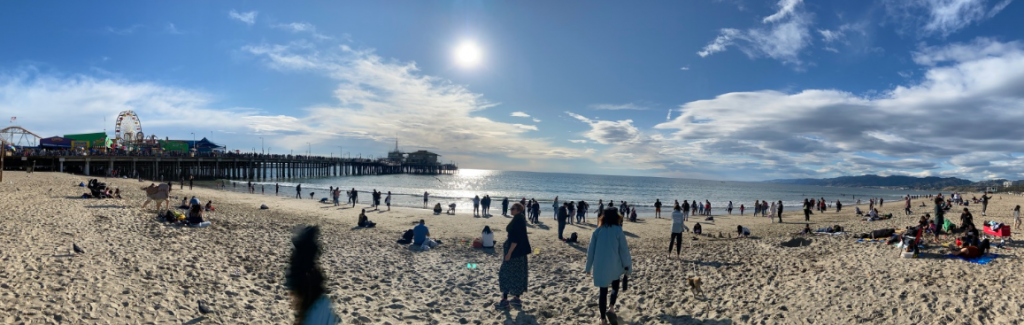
(468, 54)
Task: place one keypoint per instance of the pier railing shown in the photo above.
(170, 167)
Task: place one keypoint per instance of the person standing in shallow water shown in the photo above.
(657, 208)
(513, 275)
(504, 206)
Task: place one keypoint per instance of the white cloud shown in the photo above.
(941, 17)
(981, 83)
(786, 8)
(609, 132)
(301, 27)
(687, 68)
(520, 114)
(171, 29)
(82, 101)
(124, 31)
(785, 34)
(830, 36)
(614, 107)
(379, 99)
(536, 120)
(578, 141)
(249, 18)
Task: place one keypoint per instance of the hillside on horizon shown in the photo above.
(912, 182)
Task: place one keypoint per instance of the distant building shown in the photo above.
(396, 156)
(421, 157)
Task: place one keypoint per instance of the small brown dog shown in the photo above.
(694, 283)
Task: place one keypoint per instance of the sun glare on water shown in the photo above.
(468, 54)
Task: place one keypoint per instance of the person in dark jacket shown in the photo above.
(513, 275)
(504, 207)
(562, 216)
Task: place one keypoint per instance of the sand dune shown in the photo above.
(136, 270)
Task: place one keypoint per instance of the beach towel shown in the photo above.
(830, 233)
(984, 259)
(868, 240)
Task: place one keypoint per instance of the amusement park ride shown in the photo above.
(128, 131)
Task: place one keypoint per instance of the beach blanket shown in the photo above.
(984, 259)
(830, 233)
(868, 240)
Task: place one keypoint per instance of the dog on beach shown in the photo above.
(695, 283)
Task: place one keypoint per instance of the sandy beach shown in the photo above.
(136, 270)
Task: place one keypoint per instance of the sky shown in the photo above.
(709, 89)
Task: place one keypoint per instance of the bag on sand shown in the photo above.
(573, 238)
(264, 207)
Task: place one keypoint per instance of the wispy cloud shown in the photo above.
(686, 68)
(249, 18)
(379, 98)
(609, 132)
(536, 120)
(615, 107)
(124, 31)
(785, 34)
(520, 114)
(578, 141)
(301, 27)
(171, 29)
(941, 17)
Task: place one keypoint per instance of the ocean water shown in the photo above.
(407, 190)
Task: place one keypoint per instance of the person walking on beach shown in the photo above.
(486, 203)
(336, 196)
(387, 200)
(1017, 217)
(686, 210)
(298, 191)
(190, 179)
(757, 207)
(939, 219)
(277, 188)
(780, 211)
(476, 205)
(741, 209)
(504, 206)
(536, 211)
(609, 258)
(839, 206)
(906, 206)
(657, 208)
(807, 210)
(355, 197)
(984, 203)
(677, 230)
(562, 213)
(581, 212)
(729, 207)
(513, 275)
(707, 207)
(554, 207)
(305, 280)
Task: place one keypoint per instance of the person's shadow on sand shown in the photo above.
(521, 318)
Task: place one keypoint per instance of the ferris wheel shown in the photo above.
(128, 128)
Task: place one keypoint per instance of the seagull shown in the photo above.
(77, 249)
(203, 308)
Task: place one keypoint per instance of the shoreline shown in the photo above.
(138, 270)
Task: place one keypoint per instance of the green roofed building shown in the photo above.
(95, 140)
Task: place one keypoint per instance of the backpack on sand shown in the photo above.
(573, 238)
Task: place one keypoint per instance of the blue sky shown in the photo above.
(726, 89)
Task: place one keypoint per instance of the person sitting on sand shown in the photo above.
(184, 203)
(742, 231)
(451, 209)
(421, 237)
(117, 193)
(487, 238)
(365, 221)
(437, 209)
(696, 228)
(858, 211)
(194, 201)
(195, 216)
(807, 229)
(967, 251)
(209, 206)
